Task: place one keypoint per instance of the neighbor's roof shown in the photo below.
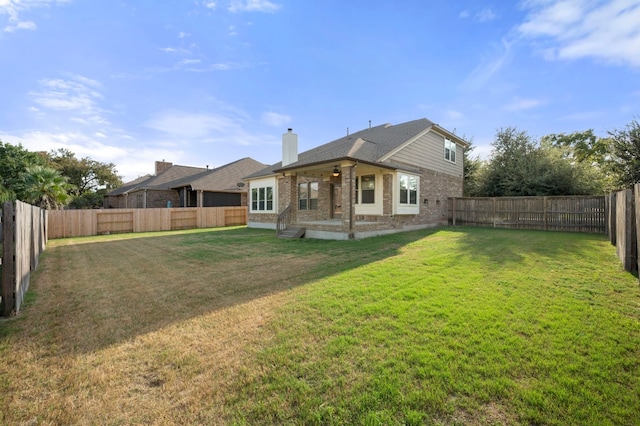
(368, 146)
(223, 178)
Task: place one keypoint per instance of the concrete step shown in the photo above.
(292, 232)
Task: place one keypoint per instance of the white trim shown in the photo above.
(376, 207)
(405, 208)
(263, 183)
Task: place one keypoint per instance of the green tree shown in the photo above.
(44, 187)
(625, 155)
(519, 166)
(14, 160)
(90, 179)
(472, 167)
(86, 175)
(589, 155)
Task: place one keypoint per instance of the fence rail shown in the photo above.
(81, 223)
(557, 213)
(24, 237)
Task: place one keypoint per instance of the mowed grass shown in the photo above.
(233, 326)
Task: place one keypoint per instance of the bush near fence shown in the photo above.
(81, 223)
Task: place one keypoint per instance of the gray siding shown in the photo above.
(428, 152)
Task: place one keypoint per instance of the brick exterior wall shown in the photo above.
(435, 190)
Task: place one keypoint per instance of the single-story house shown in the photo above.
(383, 179)
(184, 186)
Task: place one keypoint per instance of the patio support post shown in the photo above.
(348, 196)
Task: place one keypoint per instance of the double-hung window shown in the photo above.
(408, 190)
(366, 189)
(308, 196)
(449, 150)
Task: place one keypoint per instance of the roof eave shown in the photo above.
(333, 161)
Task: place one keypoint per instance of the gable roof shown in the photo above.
(224, 178)
(367, 146)
(221, 179)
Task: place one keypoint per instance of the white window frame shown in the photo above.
(374, 208)
(408, 207)
(263, 184)
(450, 151)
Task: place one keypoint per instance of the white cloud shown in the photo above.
(14, 9)
(253, 6)
(484, 15)
(186, 125)
(454, 115)
(574, 29)
(78, 95)
(210, 5)
(524, 104)
(275, 119)
(182, 34)
(488, 67)
(21, 25)
(75, 99)
(227, 127)
(131, 159)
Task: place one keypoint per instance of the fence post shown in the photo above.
(637, 212)
(493, 214)
(453, 211)
(613, 232)
(8, 259)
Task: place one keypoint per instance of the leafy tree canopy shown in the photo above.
(625, 155)
(519, 166)
(86, 175)
(44, 187)
(14, 160)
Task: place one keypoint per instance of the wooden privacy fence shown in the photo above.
(80, 223)
(554, 213)
(24, 237)
(623, 226)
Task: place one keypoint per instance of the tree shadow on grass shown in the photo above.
(92, 294)
(502, 247)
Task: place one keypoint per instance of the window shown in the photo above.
(408, 190)
(308, 196)
(366, 189)
(262, 198)
(449, 150)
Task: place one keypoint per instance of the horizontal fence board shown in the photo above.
(558, 213)
(80, 223)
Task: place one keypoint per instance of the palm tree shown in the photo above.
(44, 187)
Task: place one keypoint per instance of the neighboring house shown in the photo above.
(183, 186)
(384, 179)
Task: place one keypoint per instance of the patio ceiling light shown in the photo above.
(336, 172)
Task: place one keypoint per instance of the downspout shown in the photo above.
(144, 200)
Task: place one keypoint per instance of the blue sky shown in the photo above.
(208, 82)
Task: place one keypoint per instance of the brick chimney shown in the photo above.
(161, 166)
(289, 148)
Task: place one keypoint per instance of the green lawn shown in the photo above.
(446, 326)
